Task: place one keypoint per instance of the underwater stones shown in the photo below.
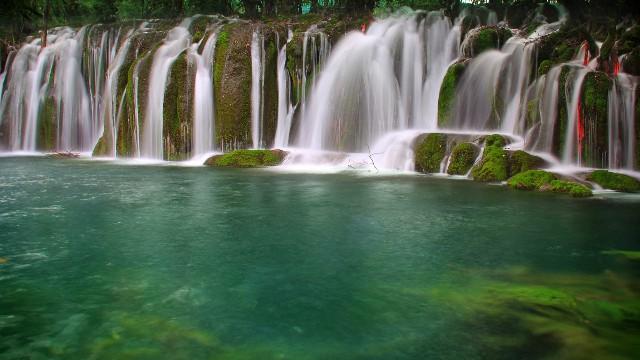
(247, 158)
(494, 165)
(430, 152)
(594, 147)
(462, 158)
(540, 180)
(177, 110)
(521, 161)
(614, 181)
(232, 86)
(447, 95)
(484, 38)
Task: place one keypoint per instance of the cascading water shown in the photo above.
(176, 41)
(257, 88)
(315, 52)
(204, 115)
(622, 128)
(360, 96)
(285, 108)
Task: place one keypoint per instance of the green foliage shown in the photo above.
(614, 181)
(430, 153)
(494, 165)
(462, 159)
(247, 159)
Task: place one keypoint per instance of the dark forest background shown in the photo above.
(22, 17)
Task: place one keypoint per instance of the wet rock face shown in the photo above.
(484, 38)
(462, 158)
(446, 100)
(494, 165)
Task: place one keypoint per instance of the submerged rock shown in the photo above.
(247, 158)
(430, 152)
(540, 180)
(614, 181)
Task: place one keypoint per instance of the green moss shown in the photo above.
(486, 38)
(531, 180)
(462, 158)
(447, 95)
(544, 67)
(520, 161)
(627, 254)
(47, 126)
(270, 92)
(232, 85)
(614, 181)
(430, 153)
(572, 188)
(494, 165)
(177, 111)
(247, 159)
(544, 181)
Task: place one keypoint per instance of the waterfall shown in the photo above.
(373, 83)
(548, 110)
(285, 108)
(111, 104)
(203, 106)
(176, 42)
(315, 52)
(573, 91)
(621, 109)
(257, 88)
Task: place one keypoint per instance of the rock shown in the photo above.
(521, 161)
(494, 165)
(247, 158)
(540, 180)
(462, 158)
(614, 181)
(447, 95)
(63, 155)
(595, 100)
(430, 152)
(631, 62)
(484, 38)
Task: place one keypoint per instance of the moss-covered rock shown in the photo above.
(247, 159)
(494, 165)
(531, 180)
(177, 110)
(594, 149)
(521, 161)
(270, 93)
(572, 188)
(232, 84)
(631, 62)
(561, 46)
(47, 126)
(462, 158)
(447, 96)
(485, 38)
(614, 181)
(430, 152)
(540, 180)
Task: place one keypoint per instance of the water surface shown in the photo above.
(102, 260)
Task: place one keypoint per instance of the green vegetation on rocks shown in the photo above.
(595, 114)
(177, 110)
(494, 165)
(247, 158)
(232, 86)
(462, 158)
(485, 38)
(544, 181)
(520, 161)
(614, 181)
(430, 153)
(47, 126)
(447, 95)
